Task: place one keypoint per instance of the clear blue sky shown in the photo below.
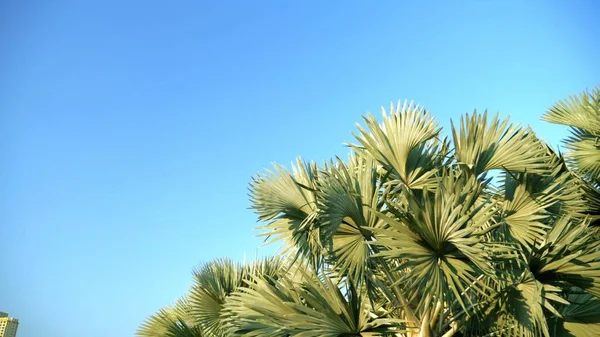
(129, 130)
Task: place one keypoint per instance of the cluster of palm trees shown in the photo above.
(488, 233)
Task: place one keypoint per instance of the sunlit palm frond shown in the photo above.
(158, 324)
(283, 193)
(440, 240)
(498, 145)
(567, 257)
(213, 283)
(402, 144)
(584, 153)
(269, 267)
(347, 198)
(181, 328)
(582, 114)
(309, 307)
(527, 205)
(578, 111)
(173, 321)
(287, 201)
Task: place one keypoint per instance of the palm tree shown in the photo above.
(488, 233)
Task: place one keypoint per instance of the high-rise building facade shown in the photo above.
(8, 325)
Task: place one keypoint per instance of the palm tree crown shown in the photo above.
(488, 233)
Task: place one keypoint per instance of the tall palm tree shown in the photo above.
(487, 233)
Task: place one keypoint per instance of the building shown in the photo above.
(8, 325)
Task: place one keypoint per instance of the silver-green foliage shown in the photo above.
(489, 233)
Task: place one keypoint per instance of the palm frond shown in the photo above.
(580, 318)
(173, 321)
(579, 111)
(582, 114)
(569, 256)
(584, 152)
(517, 311)
(525, 207)
(403, 144)
(439, 242)
(213, 283)
(347, 196)
(316, 306)
(481, 147)
(287, 201)
(579, 197)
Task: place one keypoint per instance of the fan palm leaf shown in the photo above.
(582, 114)
(569, 256)
(308, 306)
(482, 147)
(213, 283)
(347, 198)
(405, 144)
(175, 321)
(439, 242)
(580, 318)
(527, 204)
(517, 310)
(287, 201)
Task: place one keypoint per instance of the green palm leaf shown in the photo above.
(581, 318)
(175, 321)
(578, 197)
(347, 197)
(584, 152)
(577, 111)
(405, 144)
(308, 306)
(526, 208)
(439, 242)
(287, 201)
(500, 145)
(582, 114)
(213, 283)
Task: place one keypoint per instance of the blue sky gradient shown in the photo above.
(130, 130)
